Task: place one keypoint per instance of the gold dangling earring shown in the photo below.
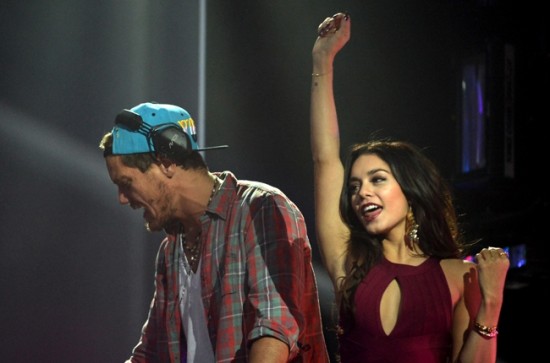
(412, 227)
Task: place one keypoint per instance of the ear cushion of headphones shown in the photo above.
(172, 142)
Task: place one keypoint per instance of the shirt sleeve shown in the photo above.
(160, 336)
(276, 240)
(145, 350)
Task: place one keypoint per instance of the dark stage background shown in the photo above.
(76, 269)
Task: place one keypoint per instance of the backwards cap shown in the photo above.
(133, 130)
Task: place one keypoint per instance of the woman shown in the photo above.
(388, 235)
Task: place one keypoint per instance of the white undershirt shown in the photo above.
(199, 348)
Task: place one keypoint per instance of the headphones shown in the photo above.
(167, 140)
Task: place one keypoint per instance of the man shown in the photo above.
(234, 280)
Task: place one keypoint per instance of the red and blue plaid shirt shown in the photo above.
(257, 280)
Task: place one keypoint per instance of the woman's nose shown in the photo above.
(365, 191)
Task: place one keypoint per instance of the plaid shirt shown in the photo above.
(257, 280)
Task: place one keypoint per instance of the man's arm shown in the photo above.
(268, 350)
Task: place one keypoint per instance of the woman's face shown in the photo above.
(377, 198)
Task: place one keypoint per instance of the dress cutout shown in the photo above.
(422, 333)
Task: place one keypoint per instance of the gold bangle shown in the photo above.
(319, 74)
(485, 331)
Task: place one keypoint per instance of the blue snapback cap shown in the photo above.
(133, 137)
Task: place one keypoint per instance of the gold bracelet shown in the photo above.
(485, 331)
(320, 74)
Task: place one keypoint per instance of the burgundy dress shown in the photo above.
(422, 333)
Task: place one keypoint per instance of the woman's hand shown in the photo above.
(493, 264)
(333, 34)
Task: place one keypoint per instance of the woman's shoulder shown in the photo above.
(457, 265)
(457, 271)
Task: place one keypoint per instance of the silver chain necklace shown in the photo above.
(193, 251)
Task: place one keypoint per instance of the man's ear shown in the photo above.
(167, 166)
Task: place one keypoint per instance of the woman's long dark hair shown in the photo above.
(428, 194)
